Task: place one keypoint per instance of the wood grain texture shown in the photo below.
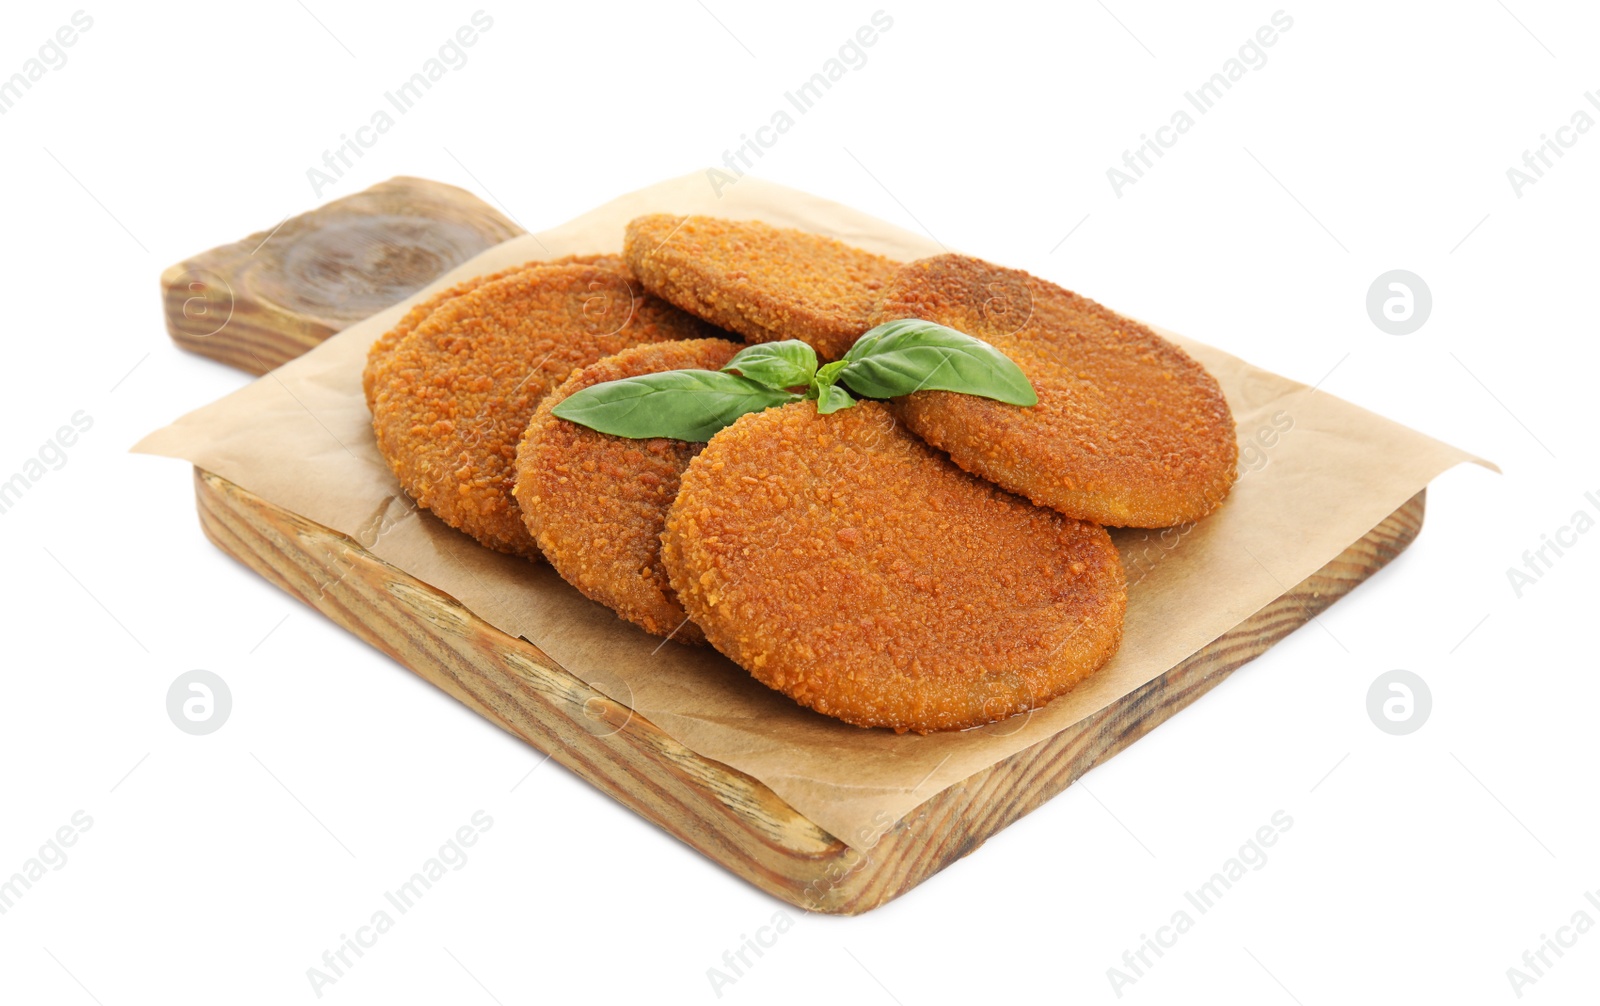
(262, 301)
(728, 816)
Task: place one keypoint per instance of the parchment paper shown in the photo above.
(1321, 473)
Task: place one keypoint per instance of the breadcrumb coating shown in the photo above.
(596, 504)
(847, 564)
(765, 283)
(1129, 431)
(414, 317)
(455, 395)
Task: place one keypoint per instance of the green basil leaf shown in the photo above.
(824, 388)
(787, 364)
(900, 357)
(681, 404)
(831, 398)
(826, 377)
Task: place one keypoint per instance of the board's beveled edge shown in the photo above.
(730, 817)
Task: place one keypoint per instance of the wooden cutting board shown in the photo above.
(725, 814)
(262, 301)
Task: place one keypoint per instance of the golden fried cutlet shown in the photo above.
(419, 311)
(596, 504)
(765, 283)
(455, 395)
(1129, 430)
(844, 562)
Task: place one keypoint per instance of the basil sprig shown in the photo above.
(896, 358)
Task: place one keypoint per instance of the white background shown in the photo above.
(219, 868)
